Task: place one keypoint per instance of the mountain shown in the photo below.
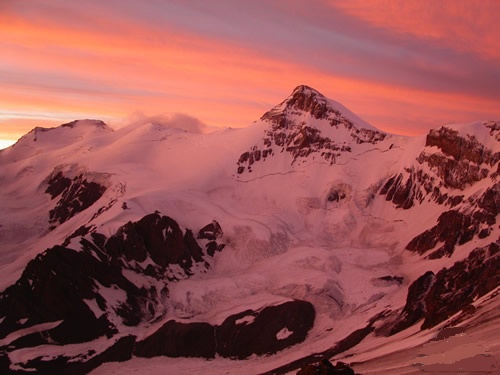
(308, 235)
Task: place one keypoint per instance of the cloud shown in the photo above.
(175, 121)
(227, 62)
(460, 24)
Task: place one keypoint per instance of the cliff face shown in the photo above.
(450, 163)
(434, 298)
(444, 172)
(301, 127)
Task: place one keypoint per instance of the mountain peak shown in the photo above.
(307, 123)
(87, 123)
(305, 100)
(61, 136)
(304, 89)
(309, 100)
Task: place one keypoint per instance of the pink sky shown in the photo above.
(404, 66)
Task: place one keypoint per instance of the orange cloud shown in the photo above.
(99, 65)
(460, 24)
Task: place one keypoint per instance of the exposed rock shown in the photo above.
(460, 162)
(57, 184)
(339, 192)
(489, 205)
(436, 297)
(353, 339)
(53, 287)
(388, 280)
(210, 231)
(76, 195)
(415, 307)
(70, 290)
(300, 140)
(120, 351)
(176, 339)
(458, 147)
(448, 332)
(241, 335)
(457, 227)
(399, 192)
(455, 174)
(452, 228)
(98, 124)
(456, 288)
(307, 99)
(268, 331)
(326, 368)
(159, 237)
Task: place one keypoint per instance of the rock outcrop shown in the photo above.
(74, 195)
(266, 331)
(74, 295)
(289, 131)
(176, 339)
(325, 367)
(434, 298)
(449, 163)
(459, 226)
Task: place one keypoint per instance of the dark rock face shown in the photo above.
(436, 297)
(159, 237)
(462, 159)
(211, 232)
(460, 162)
(452, 228)
(300, 140)
(325, 367)
(53, 287)
(176, 339)
(62, 365)
(69, 290)
(456, 227)
(415, 307)
(488, 205)
(460, 148)
(388, 280)
(456, 288)
(267, 331)
(307, 99)
(75, 194)
(399, 192)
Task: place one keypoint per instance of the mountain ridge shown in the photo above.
(238, 231)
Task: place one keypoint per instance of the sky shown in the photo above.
(403, 66)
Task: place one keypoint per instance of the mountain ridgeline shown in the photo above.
(304, 236)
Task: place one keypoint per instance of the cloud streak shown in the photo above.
(403, 66)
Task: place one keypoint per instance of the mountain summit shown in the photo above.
(307, 123)
(305, 99)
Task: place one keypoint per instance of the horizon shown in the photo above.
(402, 67)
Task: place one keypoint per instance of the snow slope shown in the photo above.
(305, 222)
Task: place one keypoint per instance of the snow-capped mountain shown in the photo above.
(308, 235)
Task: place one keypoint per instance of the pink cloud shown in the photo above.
(229, 62)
